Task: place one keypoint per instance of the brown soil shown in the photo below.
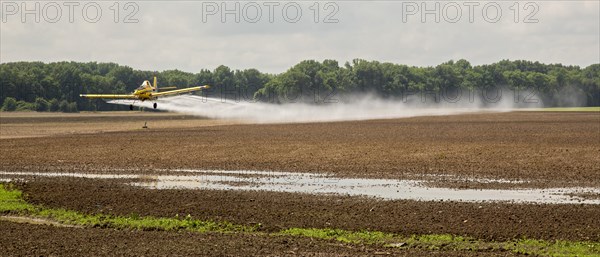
(556, 149)
(276, 211)
(543, 146)
(41, 240)
(36, 124)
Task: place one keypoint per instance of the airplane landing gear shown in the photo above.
(155, 105)
(131, 107)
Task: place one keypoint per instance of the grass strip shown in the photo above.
(447, 242)
(11, 202)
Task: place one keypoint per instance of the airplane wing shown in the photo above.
(165, 88)
(97, 96)
(180, 91)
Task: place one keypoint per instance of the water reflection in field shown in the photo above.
(318, 183)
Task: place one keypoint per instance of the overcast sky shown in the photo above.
(191, 35)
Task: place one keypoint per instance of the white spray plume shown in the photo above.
(363, 107)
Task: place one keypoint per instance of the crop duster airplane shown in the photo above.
(146, 92)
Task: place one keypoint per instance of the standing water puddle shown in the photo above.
(313, 183)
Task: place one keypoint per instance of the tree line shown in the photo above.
(56, 86)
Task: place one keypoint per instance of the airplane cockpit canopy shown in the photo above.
(144, 85)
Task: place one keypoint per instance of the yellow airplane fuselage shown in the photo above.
(144, 94)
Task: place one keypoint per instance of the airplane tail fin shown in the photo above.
(155, 86)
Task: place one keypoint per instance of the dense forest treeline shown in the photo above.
(56, 86)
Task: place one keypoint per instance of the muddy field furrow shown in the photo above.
(551, 147)
(277, 211)
(538, 149)
(41, 240)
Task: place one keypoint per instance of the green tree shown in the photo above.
(41, 105)
(249, 81)
(224, 81)
(10, 104)
(63, 106)
(25, 106)
(53, 105)
(293, 86)
(28, 81)
(72, 107)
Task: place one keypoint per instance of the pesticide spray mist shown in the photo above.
(343, 108)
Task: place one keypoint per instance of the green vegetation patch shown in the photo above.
(447, 242)
(361, 237)
(11, 202)
(556, 248)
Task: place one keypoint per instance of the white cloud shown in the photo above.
(172, 35)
